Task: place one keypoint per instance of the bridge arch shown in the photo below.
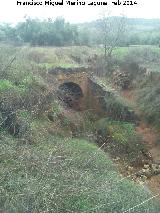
(71, 94)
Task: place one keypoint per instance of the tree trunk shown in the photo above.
(105, 52)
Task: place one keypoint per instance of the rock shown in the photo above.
(121, 79)
(154, 166)
(148, 173)
(146, 166)
(144, 172)
(128, 173)
(157, 172)
(140, 182)
(117, 159)
(148, 155)
(139, 173)
(155, 169)
(129, 168)
(143, 178)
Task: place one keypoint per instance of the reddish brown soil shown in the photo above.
(129, 95)
(145, 130)
(154, 185)
(148, 133)
(150, 137)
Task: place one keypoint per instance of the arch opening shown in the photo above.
(71, 94)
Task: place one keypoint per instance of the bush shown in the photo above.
(118, 109)
(118, 130)
(149, 101)
(122, 140)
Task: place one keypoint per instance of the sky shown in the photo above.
(12, 13)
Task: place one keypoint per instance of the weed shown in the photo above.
(5, 85)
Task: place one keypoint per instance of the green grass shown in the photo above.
(145, 55)
(67, 57)
(121, 131)
(64, 175)
(5, 85)
(121, 52)
(24, 114)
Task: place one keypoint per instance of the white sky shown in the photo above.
(10, 12)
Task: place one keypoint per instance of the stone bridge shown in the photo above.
(79, 90)
(72, 86)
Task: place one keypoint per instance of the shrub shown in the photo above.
(149, 102)
(122, 140)
(118, 109)
(118, 130)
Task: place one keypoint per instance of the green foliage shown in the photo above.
(117, 108)
(60, 33)
(8, 33)
(122, 140)
(5, 85)
(121, 52)
(47, 32)
(56, 108)
(55, 111)
(119, 131)
(146, 56)
(31, 81)
(66, 122)
(149, 102)
(24, 114)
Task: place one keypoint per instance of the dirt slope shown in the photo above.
(150, 137)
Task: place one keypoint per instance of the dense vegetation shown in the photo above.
(138, 32)
(44, 33)
(59, 33)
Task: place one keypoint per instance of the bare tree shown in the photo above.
(113, 32)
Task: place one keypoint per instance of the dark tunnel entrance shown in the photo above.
(71, 94)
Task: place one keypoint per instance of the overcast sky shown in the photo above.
(10, 12)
